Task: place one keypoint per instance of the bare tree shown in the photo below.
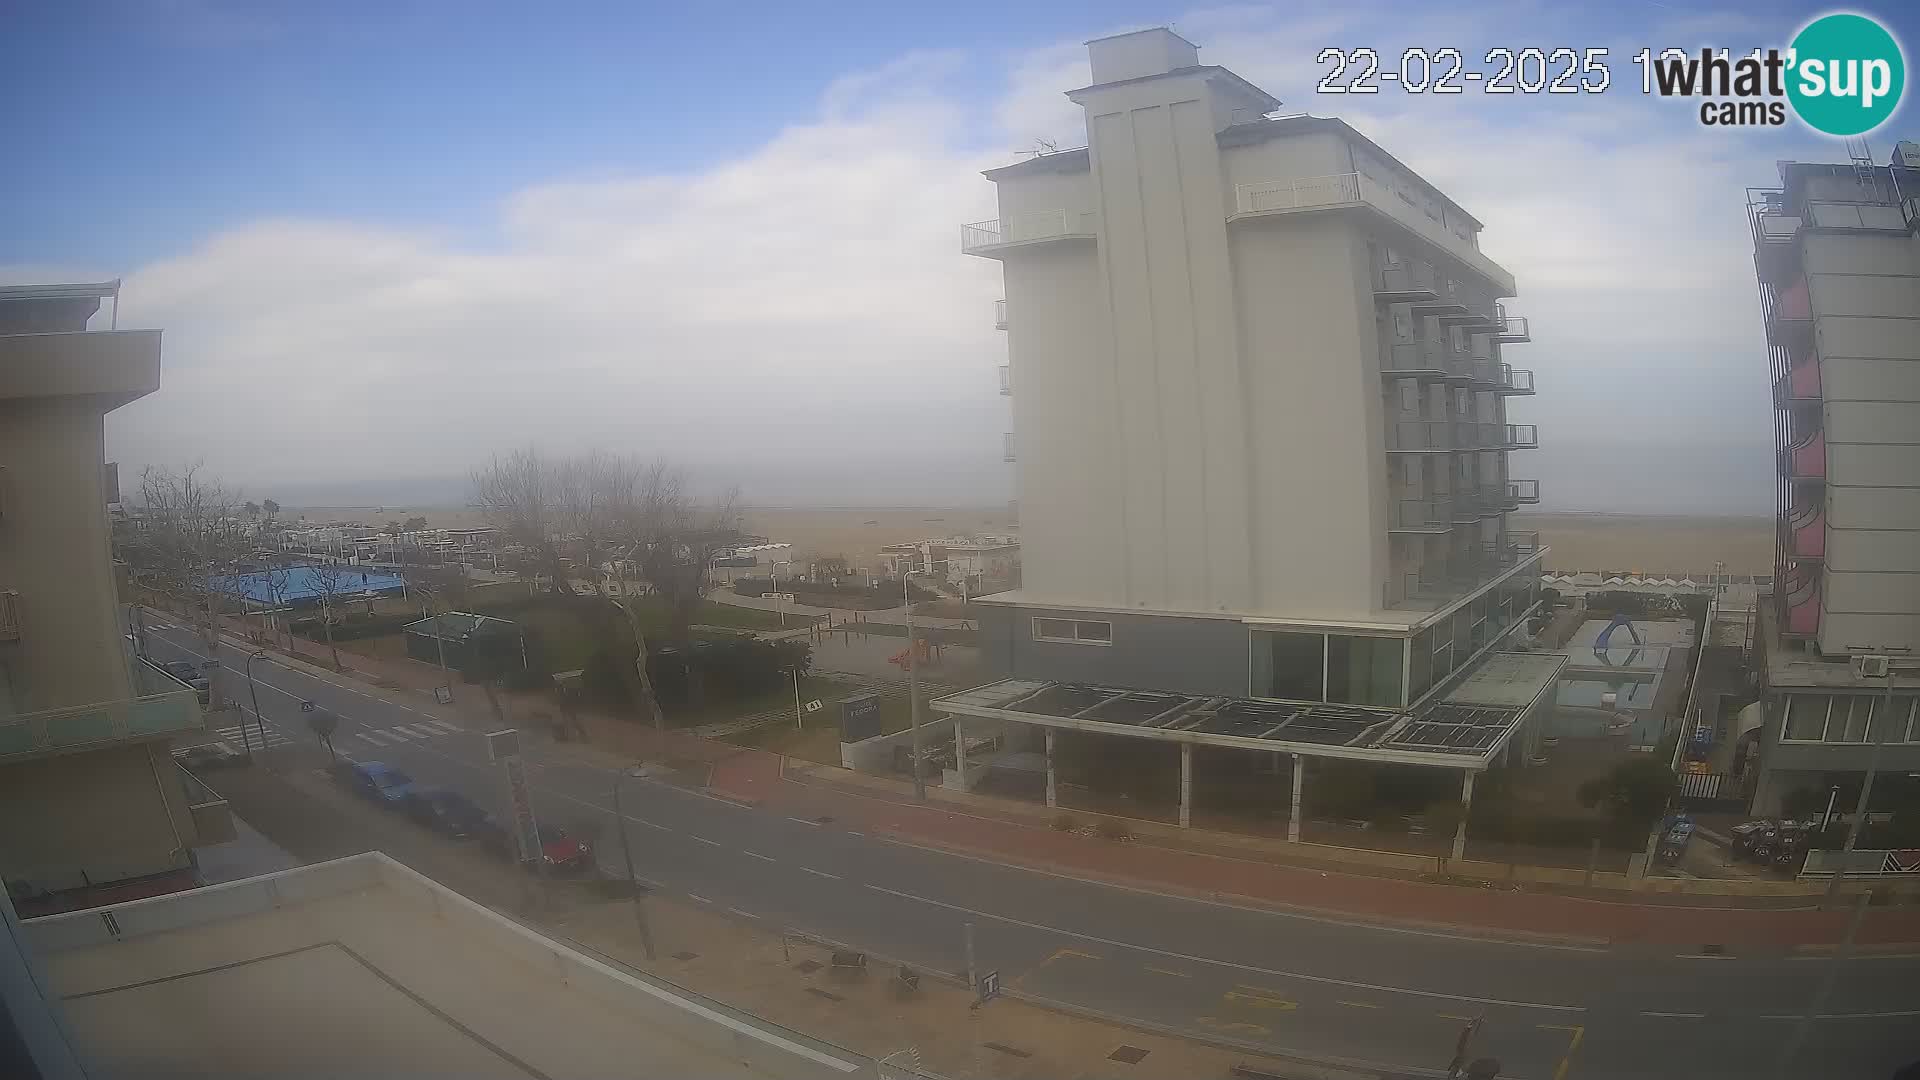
(278, 578)
(189, 542)
(518, 494)
(329, 580)
(673, 538)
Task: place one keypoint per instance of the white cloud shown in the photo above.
(805, 301)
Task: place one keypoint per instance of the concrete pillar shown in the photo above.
(1293, 816)
(1466, 807)
(1186, 784)
(1053, 792)
(960, 752)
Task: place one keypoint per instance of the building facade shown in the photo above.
(91, 800)
(1838, 264)
(1260, 402)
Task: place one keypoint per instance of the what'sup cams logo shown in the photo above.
(1842, 75)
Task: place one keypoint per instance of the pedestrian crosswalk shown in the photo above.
(403, 733)
(255, 735)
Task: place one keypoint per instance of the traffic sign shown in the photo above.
(989, 986)
(306, 706)
(816, 705)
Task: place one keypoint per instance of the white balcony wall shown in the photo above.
(1873, 466)
(1877, 549)
(1845, 378)
(1874, 508)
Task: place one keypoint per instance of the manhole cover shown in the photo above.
(684, 955)
(828, 994)
(808, 967)
(1005, 1049)
(1129, 1055)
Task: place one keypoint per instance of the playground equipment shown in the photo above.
(1600, 642)
(901, 658)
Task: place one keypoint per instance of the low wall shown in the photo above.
(875, 755)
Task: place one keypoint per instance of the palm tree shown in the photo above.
(253, 510)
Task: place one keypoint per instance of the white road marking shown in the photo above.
(821, 873)
(378, 738)
(698, 899)
(1700, 956)
(1843, 1016)
(803, 821)
(704, 840)
(1230, 964)
(1674, 1015)
(757, 855)
(451, 729)
(743, 913)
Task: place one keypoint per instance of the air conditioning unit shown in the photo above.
(1873, 667)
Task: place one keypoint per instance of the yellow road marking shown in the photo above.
(1230, 1025)
(1168, 971)
(1451, 1016)
(1578, 1033)
(1359, 1004)
(1259, 997)
(1058, 954)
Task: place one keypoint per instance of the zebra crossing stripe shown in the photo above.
(378, 738)
(418, 731)
(451, 729)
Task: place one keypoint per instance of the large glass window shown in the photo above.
(1298, 666)
(1847, 722)
(1364, 670)
(1462, 635)
(1806, 717)
(1077, 631)
(1420, 665)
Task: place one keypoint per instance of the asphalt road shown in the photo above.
(1274, 981)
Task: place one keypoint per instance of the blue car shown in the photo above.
(378, 782)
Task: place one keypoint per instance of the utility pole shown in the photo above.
(798, 723)
(913, 690)
(1882, 719)
(633, 881)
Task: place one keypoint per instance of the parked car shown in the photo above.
(208, 756)
(376, 781)
(188, 672)
(560, 850)
(447, 812)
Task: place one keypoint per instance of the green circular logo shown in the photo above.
(1847, 74)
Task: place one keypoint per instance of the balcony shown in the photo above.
(1509, 329)
(1776, 252)
(1405, 281)
(999, 314)
(1513, 382)
(212, 820)
(1800, 385)
(1510, 549)
(1344, 190)
(991, 238)
(1800, 602)
(1788, 314)
(1806, 461)
(1448, 303)
(1422, 516)
(9, 616)
(1478, 314)
(1805, 532)
(1421, 360)
(1420, 437)
(1007, 455)
(1517, 437)
(1469, 507)
(86, 726)
(1521, 492)
(1006, 379)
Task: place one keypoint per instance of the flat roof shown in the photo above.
(1462, 730)
(362, 967)
(98, 290)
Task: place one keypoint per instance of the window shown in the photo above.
(1077, 631)
(1364, 670)
(1806, 718)
(1298, 671)
(1420, 665)
(1847, 720)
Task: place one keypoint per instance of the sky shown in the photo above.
(388, 240)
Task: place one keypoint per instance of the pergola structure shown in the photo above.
(1466, 729)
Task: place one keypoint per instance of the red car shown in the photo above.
(559, 849)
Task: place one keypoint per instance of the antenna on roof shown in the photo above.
(1041, 148)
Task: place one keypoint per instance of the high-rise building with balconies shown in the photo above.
(1260, 393)
(1839, 270)
(92, 804)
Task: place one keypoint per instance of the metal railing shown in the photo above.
(1513, 380)
(1031, 225)
(9, 615)
(1405, 277)
(1413, 356)
(1518, 437)
(1007, 455)
(999, 314)
(1509, 329)
(1469, 505)
(103, 722)
(1006, 379)
(1522, 491)
(1346, 189)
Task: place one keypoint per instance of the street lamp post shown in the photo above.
(798, 723)
(253, 691)
(1883, 719)
(913, 690)
(626, 856)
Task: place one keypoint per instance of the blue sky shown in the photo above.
(641, 229)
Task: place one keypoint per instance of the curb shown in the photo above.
(1255, 903)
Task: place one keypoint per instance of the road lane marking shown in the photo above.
(821, 873)
(1674, 1015)
(1278, 912)
(698, 899)
(1453, 1016)
(1168, 971)
(1843, 1016)
(377, 738)
(1700, 956)
(803, 821)
(743, 913)
(1259, 997)
(1254, 969)
(1861, 956)
(1217, 1024)
(704, 840)
(1573, 1044)
(1358, 1004)
(757, 855)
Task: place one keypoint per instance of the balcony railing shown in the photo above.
(1029, 227)
(1006, 379)
(999, 314)
(1518, 437)
(1405, 281)
(1806, 460)
(1522, 492)
(212, 820)
(1357, 189)
(1511, 329)
(1414, 359)
(1419, 436)
(1469, 507)
(1433, 515)
(1513, 381)
(1008, 454)
(1800, 384)
(9, 615)
(1806, 532)
(105, 722)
